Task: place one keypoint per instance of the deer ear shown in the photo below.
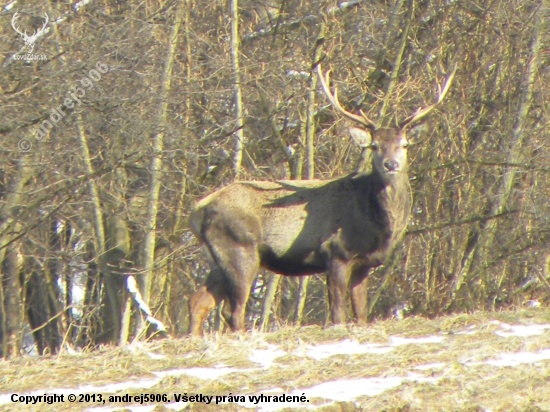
(361, 137)
(417, 134)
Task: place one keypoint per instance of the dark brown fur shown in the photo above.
(343, 227)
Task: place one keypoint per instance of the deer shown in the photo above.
(29, 40)
(344, 227)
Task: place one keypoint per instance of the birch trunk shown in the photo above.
(310, 156)
(113, 310)
(156, 160)
(478, 255)
(240, 139)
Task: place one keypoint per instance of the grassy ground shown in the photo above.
(453, 376)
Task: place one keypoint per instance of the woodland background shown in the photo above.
(200, 93)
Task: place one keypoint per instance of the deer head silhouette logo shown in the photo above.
(29, 39)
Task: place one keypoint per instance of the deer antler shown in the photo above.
(420, 113)
(35, 34)
(13, 24)
(38, 32)
(333, 99)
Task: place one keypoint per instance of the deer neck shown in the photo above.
(395, 194)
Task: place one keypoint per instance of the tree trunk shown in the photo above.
(310, 155)
(239, 116)
(10, 289)
(10, 295)
(156, 160)
(478, 255)
(269, 297)
(112, 310)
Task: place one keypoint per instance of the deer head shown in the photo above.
(29, 40)
(389, 145)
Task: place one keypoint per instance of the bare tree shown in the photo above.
(156, 158)
(238, 99)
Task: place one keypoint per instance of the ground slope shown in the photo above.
(479, 362)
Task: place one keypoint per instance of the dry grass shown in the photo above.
(459, 387)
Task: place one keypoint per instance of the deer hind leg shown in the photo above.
(232, 242)
(358, 292)
(206, 298)
(240, 273)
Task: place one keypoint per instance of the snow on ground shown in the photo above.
(332, 391)
(470, 330)
(352, 347)
(342, 390)
(346, 389)
(514, 359)
(345, 347)
(398, 341)
(266, 357)
(521, 330)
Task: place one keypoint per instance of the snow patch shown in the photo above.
(344, 390)
(514, 359)
(348, 389)
(470, 331)
(156, 356)
(352, 347)
(265, 357)
(521, 330)
(398, 341)
(345, 347)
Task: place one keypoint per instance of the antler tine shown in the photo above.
(45, 22)
(38, 32)
(333, 99)
(14, 22)
(420, 113)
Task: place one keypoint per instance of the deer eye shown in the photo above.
(405, 145)
(374, 146)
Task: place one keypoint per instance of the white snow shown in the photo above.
(349, 389)
(10, 5)
(345, 347)
(131, 284)
(398, 341)
(79, 4)
(352, 347)
(155, 356)
(265, 357)
(331, 391)
(470, 331)
(514, 359)
(343, 390)
(521, 330)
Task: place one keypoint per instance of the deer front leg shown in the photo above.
(358, 291)
(337, 282)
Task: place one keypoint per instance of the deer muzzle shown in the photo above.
(391, 166)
